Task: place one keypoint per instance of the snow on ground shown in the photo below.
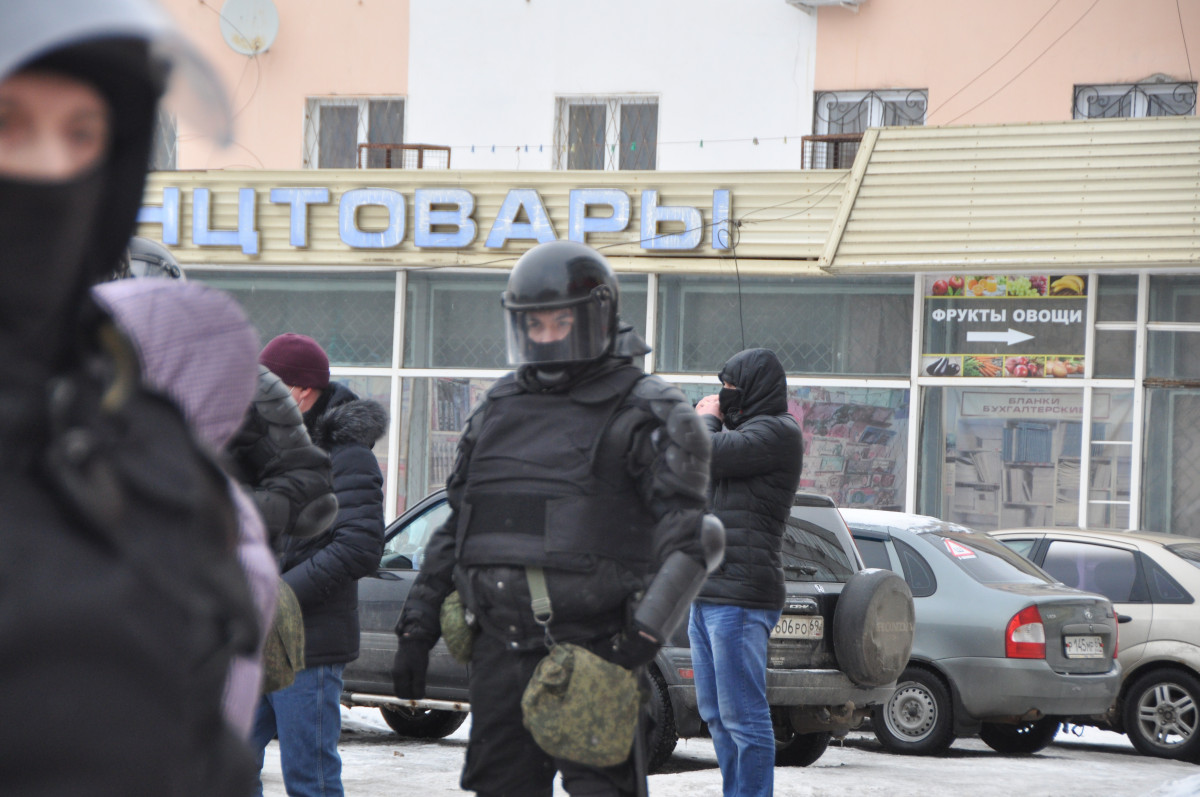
(1082, 761)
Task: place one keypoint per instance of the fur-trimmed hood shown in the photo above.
(349, 420)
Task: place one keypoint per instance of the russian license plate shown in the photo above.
(799, 626)
(1084, 647)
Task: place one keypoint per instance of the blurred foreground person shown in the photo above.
(121, 600)
(196, 346)
(577, 525)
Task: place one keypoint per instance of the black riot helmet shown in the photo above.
(562, 301)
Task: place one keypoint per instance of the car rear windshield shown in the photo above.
(814, 553)
(984, 559)
(1188, 552)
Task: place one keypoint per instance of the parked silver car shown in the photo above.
(1152, 580)
(1001, 649)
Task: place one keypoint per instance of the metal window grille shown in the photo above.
(606, 133)
(1159, 98)
(829, 152)
(403, 156)
(854, 111)
(164, 145)
(334, 128)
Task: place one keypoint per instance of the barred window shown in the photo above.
(816, 325)
(1159, 96)
(334, 127)
(855, 111)
(606, 133)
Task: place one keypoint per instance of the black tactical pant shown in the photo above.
(503, 760)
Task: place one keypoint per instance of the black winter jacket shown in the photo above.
(755, 472)
(324, 570)
(291, 477)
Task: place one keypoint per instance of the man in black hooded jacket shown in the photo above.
(755, 472)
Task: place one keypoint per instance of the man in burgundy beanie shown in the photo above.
(324, 570)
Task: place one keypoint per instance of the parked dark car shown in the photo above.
(1001, 648)
(844, 636)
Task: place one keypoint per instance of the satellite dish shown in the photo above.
(249, 26)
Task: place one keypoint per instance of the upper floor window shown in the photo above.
(841, 117)
(335, 126)
(855, 111)
(606, 132)
(1155, 97)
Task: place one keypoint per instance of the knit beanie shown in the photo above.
(298, 360)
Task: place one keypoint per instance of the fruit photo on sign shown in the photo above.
(1026, 285)
(1060, 367)
(1068, 285)
(955, 285)
(980, 365)
(941, 366)
(940, 287)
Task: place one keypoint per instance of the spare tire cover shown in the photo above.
(873, 627)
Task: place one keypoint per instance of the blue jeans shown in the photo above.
(308, 721)
(729, 657)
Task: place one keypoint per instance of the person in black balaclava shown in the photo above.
(585, 467)
(121, 600)
(756, 458)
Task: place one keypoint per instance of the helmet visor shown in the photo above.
(560, 335)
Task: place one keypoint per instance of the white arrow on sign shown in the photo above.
(1010, 337)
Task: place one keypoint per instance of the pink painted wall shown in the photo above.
(324, 47)
(944, 45)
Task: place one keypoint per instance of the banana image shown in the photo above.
(1069, 285)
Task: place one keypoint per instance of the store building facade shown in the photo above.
(957, 313)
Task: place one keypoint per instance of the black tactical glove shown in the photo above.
(409, 666)
(633, 648)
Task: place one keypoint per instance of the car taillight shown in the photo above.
(1025, 636)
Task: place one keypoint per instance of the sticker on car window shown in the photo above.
(958, 551)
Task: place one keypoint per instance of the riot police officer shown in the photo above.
(580, 464)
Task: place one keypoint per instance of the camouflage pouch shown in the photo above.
(283, 651)
(581, 708)
(457, 628)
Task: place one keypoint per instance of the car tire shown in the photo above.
(1161, 714)
(918, 718)
(1023, 739)
(795, 749)
(873, 627)
(661, 737)
(422, 723)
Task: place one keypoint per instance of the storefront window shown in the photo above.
(432, 414)
(456, 320)
(999, 458)
(1116, 326)
(817, 325)
(1174, 353)
(377, 388)
(351, 315)
(1171, 480)
(855, 442)
(1111, 464)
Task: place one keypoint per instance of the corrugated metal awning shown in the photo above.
(1115, 194)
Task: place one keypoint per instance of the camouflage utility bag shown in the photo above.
(578, 706)
(283, 650)
(458, 627)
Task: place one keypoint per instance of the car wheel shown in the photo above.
(422, 723)
(918, 718)
(795, 749)
(1161, 714)
(660, 732)
(1023, 739)
(873, 627)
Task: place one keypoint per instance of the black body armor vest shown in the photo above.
(547, 480)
